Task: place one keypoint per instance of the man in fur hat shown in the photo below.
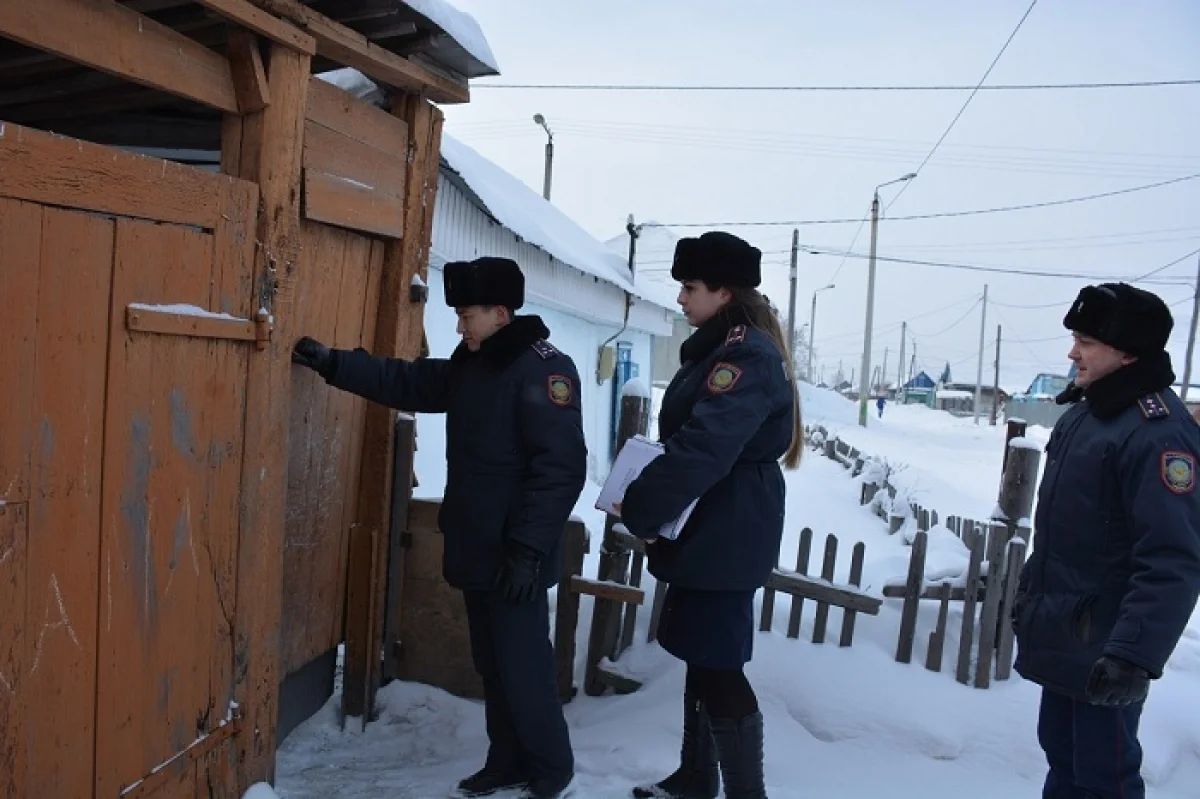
(1115, 569)
(516, 464)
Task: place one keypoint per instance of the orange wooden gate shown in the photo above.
(125, 291)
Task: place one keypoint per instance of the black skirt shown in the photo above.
(712, 629)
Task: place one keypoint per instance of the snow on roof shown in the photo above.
(527, 214)
(459, 26)
(945, 394)
(352, 81)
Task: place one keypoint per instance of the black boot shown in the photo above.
(697, 776)
(488, 781)
(740, 750)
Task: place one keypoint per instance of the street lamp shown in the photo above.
(541, 120)
(864, 378)
(812, 330)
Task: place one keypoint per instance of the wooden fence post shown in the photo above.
(827, 567)
(1014, 429)
(1018, 483)
(912, 598)
(937, 638)
(802, 555)
(997, 540)
(848, 616)
(1004, 649)
(975, 541)
(660, 596)
(566, 617)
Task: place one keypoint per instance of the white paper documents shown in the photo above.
(633, 457)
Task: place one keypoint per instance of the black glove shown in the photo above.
(519, 576)
(1115, 682)
(313, 354)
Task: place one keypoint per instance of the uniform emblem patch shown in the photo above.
(560, 389)
(1179, 472)
(723, 377)
(737, 335)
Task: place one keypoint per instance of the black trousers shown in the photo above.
(510, 644)
(1092, 751)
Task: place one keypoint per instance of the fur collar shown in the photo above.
(1109, 396)
(506, 344)
(713, 333)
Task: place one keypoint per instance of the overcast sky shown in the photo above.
(699, 157)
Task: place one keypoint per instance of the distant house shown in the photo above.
(988, 397)
(920, 390)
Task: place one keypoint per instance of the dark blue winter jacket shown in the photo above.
(516, 460)
(1115, 567)
(725, 421)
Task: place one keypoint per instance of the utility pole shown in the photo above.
(866, 357)
(912, 367)
(1191, 345)
(900, 370)
(982, 339)
(882, 386)
(791, 340)
(996, 384)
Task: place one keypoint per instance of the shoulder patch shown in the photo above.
(1179, 472)
(544, 349)
(1153, 407)
(723, 377)
(560, 389)
(737, 335)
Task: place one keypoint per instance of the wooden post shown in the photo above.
(802, 555)
(831, 448)
(604, 636)
(660, 596)
(912, 598)
(566, 616)
(402, 473)
(630, 623)
(937, 638)
(848, 616)
(1015, 428)
(975, 541)
(1004, 649)
(991, 608)
(827, 567)
(271, 142)
(1018, 484)
(895, 522)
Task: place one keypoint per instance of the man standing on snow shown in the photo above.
(516, 464)
(1115, 570)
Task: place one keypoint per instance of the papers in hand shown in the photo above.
(633, 457)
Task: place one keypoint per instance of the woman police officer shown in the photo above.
(730, 414)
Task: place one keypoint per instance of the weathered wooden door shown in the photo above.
(120, 467)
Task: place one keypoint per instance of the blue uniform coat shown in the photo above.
(725, 421)
(1115, 567)
(516, 460)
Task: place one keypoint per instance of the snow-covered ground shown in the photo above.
(840, 723)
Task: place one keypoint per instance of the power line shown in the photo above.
(666, 87)
(1165, 266)
(970, 97)
(955, 324)
(938, 215)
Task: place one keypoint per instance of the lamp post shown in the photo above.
(812, 329)
(864, 378)
(541, 120)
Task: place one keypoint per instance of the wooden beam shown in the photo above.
(198, 749)
(338, 110)
(107, 36)
(334, 154)
(620, 535)
(620, 684)
(271, 154)
(800, 585)
(352, 49)
(249, 75)
(605, 589)
(255, 19)
(179, 322)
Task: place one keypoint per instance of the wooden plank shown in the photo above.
(110, 37)
(975, 542)
(20, 254)
(822, 618)
(336, 109)
(937, 638)
(620, 536)
(848, 615)
(177, 321)
(397, 334)
(566, 615)
(908, 616)
(259, 21)
(660, 598)
(897, 591)
(989, 615)
(630, 622)
(342, 202)
(620, 684)
(249, 75)
(271, 148)
(55, 170)
(352, 49)
(802, 555)
(338, 155)
(1012, 574)
(195, 751)
(402, 472)
(607, 589)
(799, 585)
(65, 506)
(14, 645)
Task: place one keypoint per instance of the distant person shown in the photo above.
(879, 403)
(730, 414)
(1115, 570)
(516, 464)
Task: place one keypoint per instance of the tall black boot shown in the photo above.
(740, 750)
(697, 776)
